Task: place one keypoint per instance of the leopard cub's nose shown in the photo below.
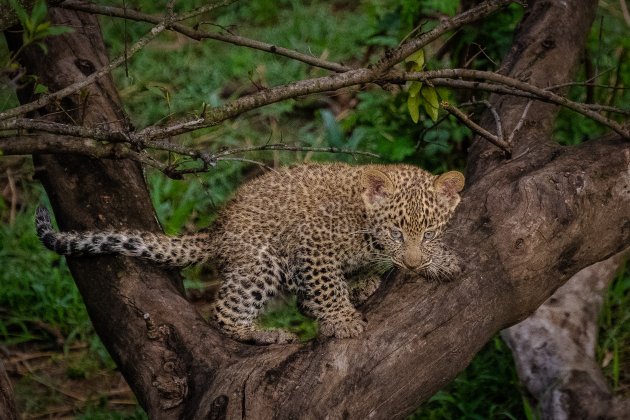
(412, 259)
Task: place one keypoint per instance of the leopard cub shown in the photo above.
(325, 232)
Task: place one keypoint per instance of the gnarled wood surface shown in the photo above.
(554, 349)
(524, 227)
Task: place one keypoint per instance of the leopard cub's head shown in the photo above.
(408, 209)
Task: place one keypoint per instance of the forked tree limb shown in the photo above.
(523, 229)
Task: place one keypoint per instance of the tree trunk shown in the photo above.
(524, 227)
(554, 349)
(90, 193)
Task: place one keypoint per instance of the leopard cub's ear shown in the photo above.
(377, 186)
(448, 186)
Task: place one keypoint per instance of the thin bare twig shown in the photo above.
(75, 87)
(540, 94)
(497, 119)
(292, 148)
(197, 34)
(255, 162)
(471, 15)
(500, 143)
(520, 122)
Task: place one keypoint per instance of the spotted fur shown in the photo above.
(325, 232)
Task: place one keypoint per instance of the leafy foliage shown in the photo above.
(419, 93)
(35, 25)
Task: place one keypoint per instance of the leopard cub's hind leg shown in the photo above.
(241, 299)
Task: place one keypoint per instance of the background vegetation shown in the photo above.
(52, 351)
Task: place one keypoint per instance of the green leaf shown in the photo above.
(431, 110)
(41, 29)
(615, 365)
(413, 104)
(429, 93)
(58, 30)
(527, 409)
(38, 14)
(43, 47)
(418, 58)
(19, 11)
(39, 88)
(429, 101)
(414, 88)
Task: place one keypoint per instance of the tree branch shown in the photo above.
(26, 144)
(50, 143)
(199, 35)
(540, 94)
(473, 14)
(75, 87)
(494, 139)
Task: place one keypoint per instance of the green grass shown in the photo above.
(283, 313)
(36, 286)
(153, 92)
(614, 332)
(487, 389)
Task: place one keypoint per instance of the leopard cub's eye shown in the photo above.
(428, 235)
(396, 234)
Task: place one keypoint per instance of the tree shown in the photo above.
(526, 224)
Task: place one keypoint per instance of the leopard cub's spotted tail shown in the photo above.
(175, 251)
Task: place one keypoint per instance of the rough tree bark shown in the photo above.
(117, 196)
(554, 349)
(524, 227)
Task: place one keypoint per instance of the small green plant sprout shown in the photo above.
(36, 27)
(419, 93)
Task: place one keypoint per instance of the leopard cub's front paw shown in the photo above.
(342, 328)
